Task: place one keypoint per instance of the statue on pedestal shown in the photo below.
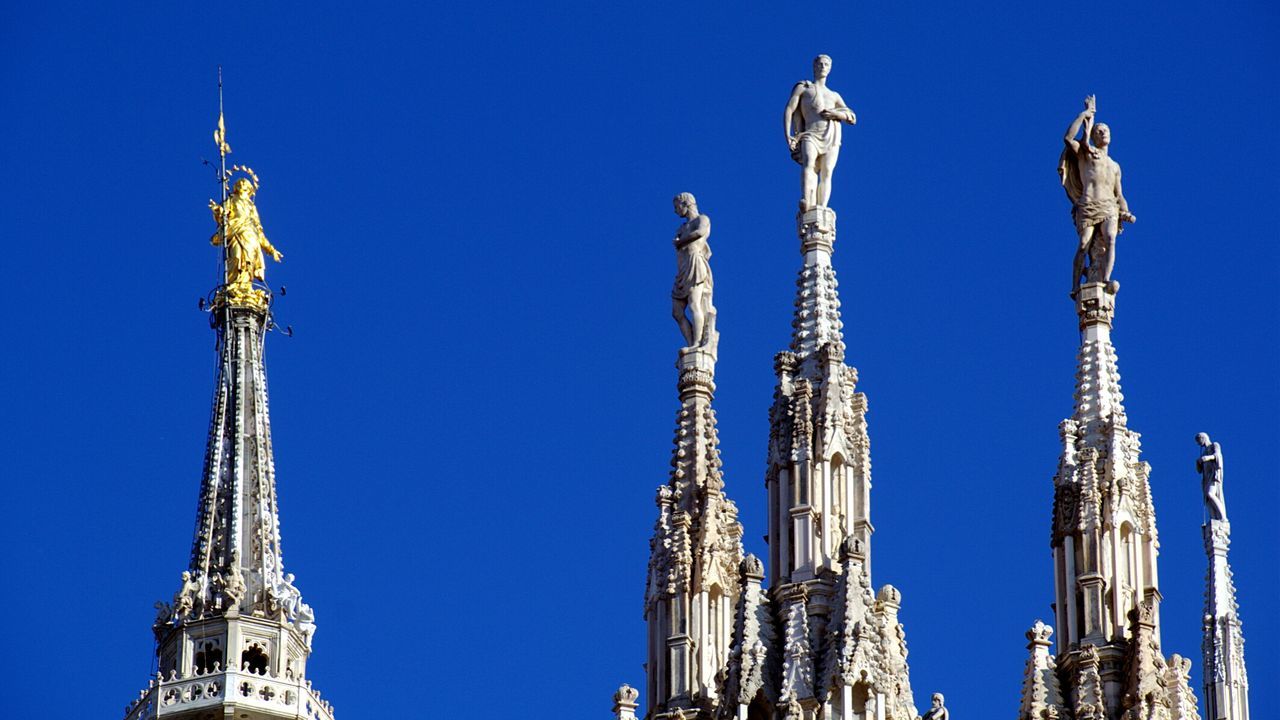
(1092, 181)
(693, 283)
(1210, 466)
(240, 228)
(814, 113)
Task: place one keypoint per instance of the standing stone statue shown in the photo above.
(938, 711)
(693, 283)
(1210, 466)
(814, 113)
(1092, 181)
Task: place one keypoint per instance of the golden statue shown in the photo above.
(240, 228)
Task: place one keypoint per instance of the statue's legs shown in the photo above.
(697, 308)
(677, 311)
(1077, 265)
(827, 168)
(808, 174)
(1110, 232)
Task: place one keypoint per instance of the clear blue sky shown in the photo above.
(474, 204)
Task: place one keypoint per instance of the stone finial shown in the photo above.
(624, 702)
(889, 595)
(852, 549)
(1040, 634)
(752, 567)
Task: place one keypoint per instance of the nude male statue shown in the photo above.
(1210, 466)
(693, 283)
(815, 112)
(1092, 181)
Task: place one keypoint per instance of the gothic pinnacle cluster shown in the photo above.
(236, 639)
(815, 640)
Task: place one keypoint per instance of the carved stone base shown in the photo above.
(1096, 304)
(817, 230)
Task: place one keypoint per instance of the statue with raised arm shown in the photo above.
(812, 124)
(1210, 466)
(938, 711)
(240, 228)
(691, 293)
(1092, 181)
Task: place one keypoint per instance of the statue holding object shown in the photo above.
(1092, 181)
(240, 230)
(691, 292)
(814, 113)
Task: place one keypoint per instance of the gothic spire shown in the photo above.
(1226, 683)
(694, 582)
(237, 637)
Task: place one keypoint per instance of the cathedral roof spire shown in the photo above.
(1226, 682)
(1104, 540)
(237, 622)
(696, 552)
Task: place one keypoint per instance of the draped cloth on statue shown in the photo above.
(824, 134)
(693, 267)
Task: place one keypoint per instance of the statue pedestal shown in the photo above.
(697, 366)
(1096, 306)
(817, 231)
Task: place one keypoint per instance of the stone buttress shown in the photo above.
(1104, 544)
(236, 639)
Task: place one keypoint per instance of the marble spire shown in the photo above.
(694, 587)
(1226, 683)
(1105, 549)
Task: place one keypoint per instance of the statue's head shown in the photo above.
(937, 700)
(243, 187)
(186, 575)
(821, 66)
(1101, 135)
(288, 578)
(685, 204)
(1202, 439)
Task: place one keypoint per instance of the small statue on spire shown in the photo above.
(1092, 181)
(692, 289)
(1210, 466)
(815, 113)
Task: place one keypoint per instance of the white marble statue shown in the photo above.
(1092, 181)
(1210, 466)
(692, 288)
(812, 124)
(938, 711)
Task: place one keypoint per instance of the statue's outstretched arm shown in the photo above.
(1070, 137)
